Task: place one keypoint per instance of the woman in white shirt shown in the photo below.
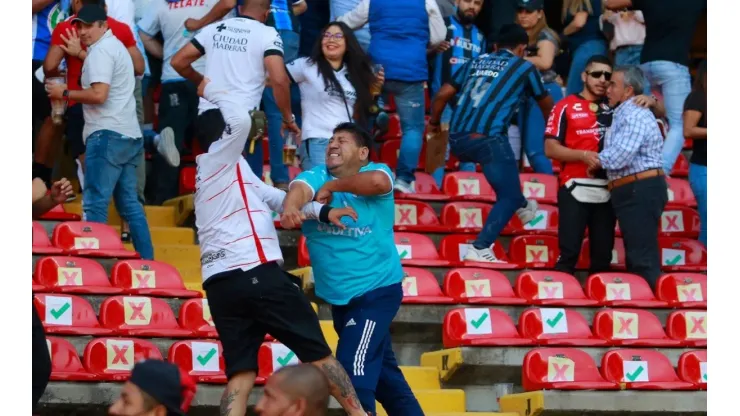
(335, 86)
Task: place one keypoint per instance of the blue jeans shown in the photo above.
(500, 169)
(313, 152)
(580, 56)
(532, 128)
(438, 174)
(698, 181)
(628, 55)
(341, 7)
(409, 97)
(674, 82)
(111, 161)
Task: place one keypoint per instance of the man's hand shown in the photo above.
(433, 130)
(73, 46)
(324, 195)
(292, 126)
(192, 24)
(292, 218)
(380, 79)
(645, 101)
(56, 91)
(443, 46)
(61, 190)
(591, 159)
(336, 214)
(202, 86)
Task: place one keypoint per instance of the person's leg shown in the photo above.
(444, 120)
(572, 222)
(534, 131)
(675, 84)
(127, 154)
(409, 99)
(275, 138)
(393, 391)
(175, 111)
(628, 55)
(601, 230)
(40, 361)
(698, 181)
(49, 135)
(580, 57)
(96, 195)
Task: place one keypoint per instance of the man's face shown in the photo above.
(618, 92)
(595, 78)
(90, 33)
(274, 402)
(468, 10)
(130, 403)
(343, 150)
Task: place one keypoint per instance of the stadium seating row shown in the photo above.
(478, 286)
(80, 238)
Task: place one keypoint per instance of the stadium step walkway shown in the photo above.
(156, 216)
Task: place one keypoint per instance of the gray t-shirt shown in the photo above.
(109, 62)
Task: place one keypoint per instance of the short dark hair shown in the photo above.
(510, 36)
(598, 59)
(100, 3)
(361, 136)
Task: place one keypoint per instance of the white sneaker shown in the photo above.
(484, 255)
(166, 147)
(403, 186)
(527, 213)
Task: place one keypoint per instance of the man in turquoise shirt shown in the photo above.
(356, 266)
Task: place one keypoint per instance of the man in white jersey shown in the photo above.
(249, 294)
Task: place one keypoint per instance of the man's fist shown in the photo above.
(292, 218)
(61, 190)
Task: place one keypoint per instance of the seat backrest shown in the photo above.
(469, 282)
(466, 184)
(617, 324)
(420, 282)
(413, 246)
(389, 152)
(145, 274)
(543, 367)
(637, 365)
(127, 312)
(40, 236)
(65, 310)
(476, 323)
(414, 213)
(199, 357)
(273, 356)
(680, 221)
(692, 366)
(538, 251)
(303, 258)
(682, 287)
(539, 186)
(64, 357)
(424, 183)
(118, 355)
(687, 325)
(553, 323)
(534, 285)
(546, 219)
(84, 235)
(187, 179)
(682, 252)
(618, 286)
(195, 315)
(58, 271)
(619, 256)
(679, 192)
(454, 247)
(465, 214)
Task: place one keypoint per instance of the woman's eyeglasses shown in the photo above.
(333, 36)
(597, 74)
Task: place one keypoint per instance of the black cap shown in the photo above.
(161, 380)
(90, 13)
(510, 34)
(530, 5)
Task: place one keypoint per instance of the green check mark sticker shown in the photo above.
(478, 322)
(204, 359)
(552, 322)
(635, 374)
(673, 261)
(283, 361)
(57, 313)
(536, 220)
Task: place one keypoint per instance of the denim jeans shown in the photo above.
(674, 82)
(409, 98)
(500, 169)
(341, 7)
(438, 174)
(698, 181)
(532, 127)
(313, 152)
(111, 161)
(580, 56)
(628, 55)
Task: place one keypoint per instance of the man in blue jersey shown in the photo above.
(490, 88)
(356, 266)
(464, 42)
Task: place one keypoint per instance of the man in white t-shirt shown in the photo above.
(178, 105)
(248, 293)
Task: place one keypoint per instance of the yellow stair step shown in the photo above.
(169, 235)
(155, 216)
(421, 378)
(438, 401)
(181, 256)
(474, 414)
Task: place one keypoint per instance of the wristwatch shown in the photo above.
(292, 119)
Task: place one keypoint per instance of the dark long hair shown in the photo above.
(701, 78)
(359, 70)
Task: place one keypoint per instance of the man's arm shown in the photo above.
(358, 16)
(219, 10)
(138, 59)
(626, 139)
(371, 183)
(618, 4)
(437, 27)
(183, 60)
(153, 46)
(96, 94)
(280, 81)
(39, 5)
(445, 94)
(53, 58)
(300, 7)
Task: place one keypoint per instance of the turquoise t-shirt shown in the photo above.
(363, 257)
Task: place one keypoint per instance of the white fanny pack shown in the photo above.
(589, 191)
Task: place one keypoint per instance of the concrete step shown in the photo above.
(156, 216)
(169, 235)
(473, 414)
(450, 400)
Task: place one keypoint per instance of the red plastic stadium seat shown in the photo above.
(394, 127)
(619, 257)
(680, 194)
(535, 251)
(111, 359)
(425, 189)
(303, 259)
(187, 180)
(642, 369)
(688, 327)
(65, 363)
(37, 287)
(68, 315)
(418, 250)
(557, 326)
(74, 275)
(551, 288)
(150, 278)
(273, 356)
(90, 239)
(140, 317)
(562, 369)
(41, 243)
(631, 327)
(540, 187)
(195, 315)
(622, 290)
(454, 247)
(682, 255)
(58, 213)
(680, 222)
(480, 327)
(477, 286)
(465, 217)
(545, 222)
(420, 286)
(417, 216)
(468, 186)
(692, 367)
(202, 359)
(683, 290)
(390, 151)
(681, 167)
